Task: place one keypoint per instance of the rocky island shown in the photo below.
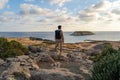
(82, 33)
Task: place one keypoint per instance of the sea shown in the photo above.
(98, 35)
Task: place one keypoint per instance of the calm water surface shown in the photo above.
(110, 36)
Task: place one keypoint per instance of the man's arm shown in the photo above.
(62, 36)
(55, 35)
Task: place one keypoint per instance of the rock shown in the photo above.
(56, 65)
(35, 49)
(82, 33)
(16, 72)
(63, 58)
(34, 38)
(85, 72)
(96, 49)
(76, 57)
(24, 61)
(54, 55)
(55, 74)
(3, 67)
(42, 57)
(83, 69)
(1, 62)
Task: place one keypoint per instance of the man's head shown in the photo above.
(59, 27)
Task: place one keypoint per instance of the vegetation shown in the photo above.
(107, 65)
(11, 49)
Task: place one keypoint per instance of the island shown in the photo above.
(82, 33)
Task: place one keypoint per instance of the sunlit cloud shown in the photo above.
(102, 15)
(3, 3)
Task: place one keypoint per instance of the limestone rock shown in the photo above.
(35, 49)
(55, 74)
(16, 72)
(2, 62)
(76, 57)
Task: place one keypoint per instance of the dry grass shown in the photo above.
(79, 46)
(26, 41)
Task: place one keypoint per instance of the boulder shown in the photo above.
(76, 57)
(35, 38)
(54, 74)
(42, 57)
(35, 49)
(96, 49)
(16, 72)
(2, 62)
(25, 61)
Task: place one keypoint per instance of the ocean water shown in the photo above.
(109, 36)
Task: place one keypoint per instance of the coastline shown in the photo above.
(27, 41)
(109, 36)
(75, 63)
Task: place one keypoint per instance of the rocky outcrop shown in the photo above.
(82, 33)
(35, 49)
(76, 57)
(2, 62)
(35, 38)
(16, 72)
(96, 49)
(17, 68)
(47, 65)
(55, 74)
(44, 66)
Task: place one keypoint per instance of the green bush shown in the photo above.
(107, 65)
(107, 50)
(11, 49)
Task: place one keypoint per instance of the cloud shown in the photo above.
(9, 16)
(8, 13)
(104, 5)
(104, 10)
(44, 16)
(30, 9)
(6, 19)
(59, 2)
(116, 11)
(3, 3)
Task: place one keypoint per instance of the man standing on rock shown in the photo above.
(59, 39)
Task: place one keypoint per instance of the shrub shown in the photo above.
(11, 49)
(107, 65)
(107, 50)
(17, 45)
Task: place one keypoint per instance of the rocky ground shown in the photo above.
(43, 63)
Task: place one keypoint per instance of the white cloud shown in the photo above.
(104, 10)
(59, 2)
(3, 3)
(30, 9)
(116, 11)
(34, 17)
(8, 13)
(104, 5)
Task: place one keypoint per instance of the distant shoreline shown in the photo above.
(99, 36)
(37, 40)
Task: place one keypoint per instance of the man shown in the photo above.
(59, 38)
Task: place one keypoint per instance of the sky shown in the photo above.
(46, 15)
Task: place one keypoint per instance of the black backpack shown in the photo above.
(58, 34)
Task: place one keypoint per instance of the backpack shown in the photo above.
(58, 34)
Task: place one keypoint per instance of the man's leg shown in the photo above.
(60, 48)
(56, 45)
